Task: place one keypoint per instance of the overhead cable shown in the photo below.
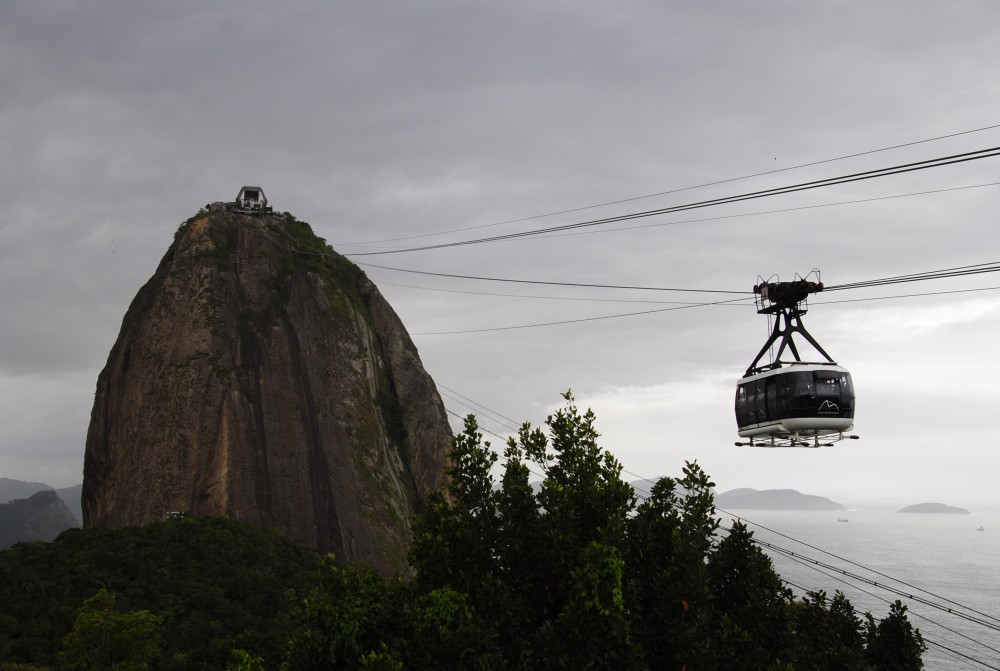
(677, 190)
(920, 295)
(765, 193)
(528, 296)
(551, 284)
(929, 641)
(994, 625)
(960, 271)
(581, 320)
(895, 590)
(763, 212)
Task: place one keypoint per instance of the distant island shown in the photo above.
(774, 499)
(935, 508)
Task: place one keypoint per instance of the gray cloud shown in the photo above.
(375, 121)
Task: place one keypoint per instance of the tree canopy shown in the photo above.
(547, 561)
(578, 572)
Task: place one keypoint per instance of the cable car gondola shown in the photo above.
(792, 403)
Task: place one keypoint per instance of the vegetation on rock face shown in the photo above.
(575, 574)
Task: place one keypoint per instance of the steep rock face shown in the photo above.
(259, 375)
(40, 517)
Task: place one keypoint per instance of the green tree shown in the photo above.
(454, 540)
(893, 643)
(749, 602)
(576, 573)
(439, 630)
(105, 638)
(217, 584)
(244, 661)
(593, 629)
(344, 618)
(669, 539)
(827, 634)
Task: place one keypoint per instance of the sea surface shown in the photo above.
(942, 561)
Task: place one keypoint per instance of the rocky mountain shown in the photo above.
(11, 489)
(935, 508)
(261, 376)
(773, 499)
(40, 517)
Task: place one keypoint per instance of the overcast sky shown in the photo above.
(379, 121)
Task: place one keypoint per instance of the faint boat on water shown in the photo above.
(980, 528)
(843, 519)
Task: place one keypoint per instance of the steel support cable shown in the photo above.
(840, 579)
(793, 188)
(530, 297)
(808, 563)
(551, 284)
(512, 422)
(897, 279)
(889, 588)
(806, 560)
(911, 611)
(974, 269)
(473, 410)
(483, 429)
(678, 190)
(941, 646)
(886, 298)
(960, 271)
(477, 411)
(778, 211)
(582, 319)
(731, 303)
(861, 566)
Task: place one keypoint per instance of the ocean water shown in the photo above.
(945, 559)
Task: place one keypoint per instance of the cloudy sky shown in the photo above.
(393, 125)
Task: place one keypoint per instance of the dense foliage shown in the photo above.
(187, 591)
(574, 573)
(580, 574)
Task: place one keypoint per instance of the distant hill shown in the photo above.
(40, 517)
(19, 489)
(773, 499)
(11, 489)
(935, 508)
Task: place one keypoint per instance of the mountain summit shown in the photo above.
(261, 376)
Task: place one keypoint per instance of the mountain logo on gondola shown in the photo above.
(828, 408)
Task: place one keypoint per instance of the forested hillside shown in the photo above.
(579, 573)
(209, 585)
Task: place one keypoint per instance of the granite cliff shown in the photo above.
(261, 376)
